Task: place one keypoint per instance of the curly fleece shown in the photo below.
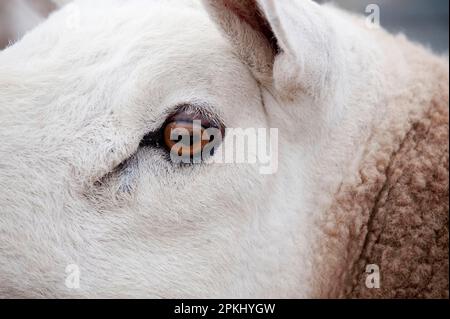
(395, 213)
(408, 228)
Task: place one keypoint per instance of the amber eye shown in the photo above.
(185, 138)
(191, 137)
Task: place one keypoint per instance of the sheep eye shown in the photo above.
(190, 137)
(184, 138)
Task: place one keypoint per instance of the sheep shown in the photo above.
(93, 205)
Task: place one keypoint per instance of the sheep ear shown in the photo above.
(244, 23)
(284, 42)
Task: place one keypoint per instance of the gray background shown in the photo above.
(425, 21)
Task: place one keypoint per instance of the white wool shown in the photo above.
(78, 93)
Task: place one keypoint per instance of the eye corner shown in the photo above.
(152, 139)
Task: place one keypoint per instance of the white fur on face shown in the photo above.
(79, 93)
(79, 102)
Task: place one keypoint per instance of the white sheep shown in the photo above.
(86, 184)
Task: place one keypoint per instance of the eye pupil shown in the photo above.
(191, 137)
(183, 136)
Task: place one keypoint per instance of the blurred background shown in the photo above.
(425, 21)
(19, 16)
